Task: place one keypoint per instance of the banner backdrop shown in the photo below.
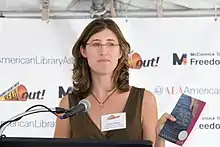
(178, 55)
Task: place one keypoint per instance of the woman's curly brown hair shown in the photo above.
(82, 83)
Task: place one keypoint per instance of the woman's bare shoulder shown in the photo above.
(64, 102)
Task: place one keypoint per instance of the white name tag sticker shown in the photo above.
(113, 121)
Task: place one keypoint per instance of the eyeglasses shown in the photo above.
(99, 45)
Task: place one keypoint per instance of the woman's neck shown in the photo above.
(101, 84)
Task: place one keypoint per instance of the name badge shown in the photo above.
(113, 121)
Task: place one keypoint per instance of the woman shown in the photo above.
(100, 75)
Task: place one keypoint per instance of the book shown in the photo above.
(186, 111)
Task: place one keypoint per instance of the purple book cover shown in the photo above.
(186, 111)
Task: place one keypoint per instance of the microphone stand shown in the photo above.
(55, 111)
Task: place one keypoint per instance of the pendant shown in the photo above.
(101, 105)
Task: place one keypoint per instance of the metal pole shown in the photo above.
(145, 13)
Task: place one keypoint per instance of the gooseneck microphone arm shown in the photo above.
(83, 106)
(55, 111)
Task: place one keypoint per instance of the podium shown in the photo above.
(61, 142)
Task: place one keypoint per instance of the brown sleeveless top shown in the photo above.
(83, 127)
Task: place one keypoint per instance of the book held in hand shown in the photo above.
(186, 111)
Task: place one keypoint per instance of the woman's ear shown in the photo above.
(83, 51)
(120, 55)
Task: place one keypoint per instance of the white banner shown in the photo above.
(179, 55)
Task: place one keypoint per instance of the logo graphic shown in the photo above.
(62, 92)
(209, 126)
(158, 90)
(196, 59)
(32, 124)
(136, 62)
(170, 90)
(19, 92)
(42, 60)
(113, 117)
(179, 61)
(177, 90)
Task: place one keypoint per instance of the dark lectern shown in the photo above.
(54, 142)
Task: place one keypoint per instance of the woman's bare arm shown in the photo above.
(149, 116)
(62, 129)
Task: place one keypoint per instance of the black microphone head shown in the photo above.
(86, 103)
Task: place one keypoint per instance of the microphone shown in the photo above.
(82, 106)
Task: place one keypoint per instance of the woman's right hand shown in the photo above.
(160, 142)
(162, 120)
